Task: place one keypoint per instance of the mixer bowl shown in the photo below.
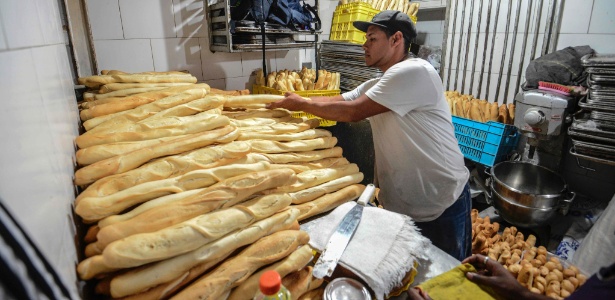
(528, 195)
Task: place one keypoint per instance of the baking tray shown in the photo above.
(600, 70)
(596, 107)
(588, 137)
(598, 79)
(600, 100)
(602, 116)
(595, 124)
(598, 60)
(573, 151)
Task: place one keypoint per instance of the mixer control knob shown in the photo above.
(534, 117)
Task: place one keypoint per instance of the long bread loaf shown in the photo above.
(265, 146)
(169, 270)
(155, 128)
(315, 177)
(301, 282)
(295, 157)
(98, 80)
(110, 87)
(329, 201)
(237, 269)
(126, 92)
(312, 193)
(264, 121)
(257, 113)
(279, 128)
(295, 261)
(249, 100)
(284, 137)
(189, 235)
(220, 195)
(187, 93)
(172, 166)
(129, 161)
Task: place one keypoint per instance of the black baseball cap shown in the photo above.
(393, 20)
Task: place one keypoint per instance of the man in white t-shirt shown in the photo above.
(419, 166)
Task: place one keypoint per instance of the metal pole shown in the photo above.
(445, 45)
(512, 49)
(480, 13)
(497, 90)
(559, 4)
(445, 41)
(527, 29)
(536, 30)
(545, 39)
(463, 16)
(465, 61)
(495, 30)
(482, 68)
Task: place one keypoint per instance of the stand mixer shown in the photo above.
(542, 118)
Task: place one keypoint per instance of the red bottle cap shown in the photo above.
(270, 282)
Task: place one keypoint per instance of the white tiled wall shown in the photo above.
(588, 22)
(38, 123)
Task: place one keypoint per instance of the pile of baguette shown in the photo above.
(193, 192)
(304, 80)
(533, 267)
(466, 106)
(410, 8)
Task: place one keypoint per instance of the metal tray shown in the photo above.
(590, 137)
(592, 158)
(598, 60)
(596, 107)
(600, 70)
(600, 125)
(602, 116)
(600, 100)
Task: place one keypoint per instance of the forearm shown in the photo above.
(335, 98)
(341, 111)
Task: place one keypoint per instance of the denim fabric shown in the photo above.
(452, 231)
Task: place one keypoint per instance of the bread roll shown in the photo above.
(503, 114)
(188, 93)
(236, 270)
(294, 262)
(493, 112)
(475, 112)
(154, 129)
(329, 201)
(167, 271)
(98, 80)
(134, 159)
(204, 158)
(458, 109)
(511, 112)
(265, 146)
(221, 195)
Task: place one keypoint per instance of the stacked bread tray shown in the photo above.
(191, 191)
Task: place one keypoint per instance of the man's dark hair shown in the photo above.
(389, 33)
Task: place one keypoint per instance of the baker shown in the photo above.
(419, 167)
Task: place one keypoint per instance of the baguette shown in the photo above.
(301, 282)
(264, 121)
(204, 158)
(190, 92)
(98, 80)
(493, 112)
(257, 113)
(458, 109)
(129, 161)
(236, 270)
(126, 92)
(329, 201)
(120, 72)
(279, 128)
(111, 87)
(295, 261)
(511, 113)
(306, 156)
(264, 146)
(140, 249)
(503, 114)
(475, 113)
(156, 128)
(229, 93)
(247, 100)
(167, 271)
(312, 193)
(221, 195)
(285, 137)
(315, 177)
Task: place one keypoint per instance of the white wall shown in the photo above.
(38, 122)
(162, 35)
(588, 22)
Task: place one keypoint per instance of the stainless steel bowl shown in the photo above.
(528, 195)
(527, 184)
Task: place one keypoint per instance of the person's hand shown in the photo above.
(417, 293)
(492, 274)
(291, 101)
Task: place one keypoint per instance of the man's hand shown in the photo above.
(492, 274)
(292, 102)
(417, 293)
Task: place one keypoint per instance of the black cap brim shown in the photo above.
(364, 25)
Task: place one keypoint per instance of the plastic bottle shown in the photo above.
(271, 288)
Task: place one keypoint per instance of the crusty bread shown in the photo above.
(475, 112)
(220, 195)
(493, 112)
(315, 294)
(110, 87)
(236, 270)
(511, 112)
(334, 185)
(257, 113)
(169, 270)
(264, 121)
(188, 93)
(90, 155)
(129, 161)
(230, 93)
(503, 116)
(315, 177)
(301, 281)
(98, 80)
(329, 201)
(279, 128)
(172, 166)
(308, 166)
(189, 235)
(284, 137)
(250, 100)
(126, 92)
(265, 146)
(295, 157)
(295, 261)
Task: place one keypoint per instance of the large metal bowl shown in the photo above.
(528, 195)
(527, 184)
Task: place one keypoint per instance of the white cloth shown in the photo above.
(381, 252)
(419, 165)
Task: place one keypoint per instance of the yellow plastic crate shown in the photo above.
(259, 89)
(341, 24)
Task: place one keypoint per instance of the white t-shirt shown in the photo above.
(420, 168)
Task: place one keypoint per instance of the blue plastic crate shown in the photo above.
(485, 143)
